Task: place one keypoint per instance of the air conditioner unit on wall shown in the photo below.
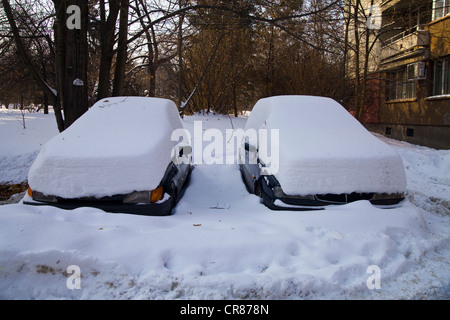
(416, 71)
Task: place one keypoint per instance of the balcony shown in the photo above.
(405, 44)
(386, 4)
(402, 4)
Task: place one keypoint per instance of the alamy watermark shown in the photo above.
(74, 279)
(374, 280)
(374, 17)
(74, 18)
(262, 146)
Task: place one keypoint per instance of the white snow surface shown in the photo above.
(323, 149)
(19, 146)
(222, 243)
(121, 145)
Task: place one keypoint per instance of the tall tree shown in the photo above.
(220, 54)
(180, 92)
(71, 59)
(363, 39)
(26, 59)
(119, 73)
(107, 40)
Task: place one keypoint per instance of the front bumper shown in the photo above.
(319, 202)
(277, 203)
(163, 208)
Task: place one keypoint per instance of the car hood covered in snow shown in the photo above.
(120, 145)
(323, 149)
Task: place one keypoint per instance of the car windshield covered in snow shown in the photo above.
(325, 156)
(117, 156)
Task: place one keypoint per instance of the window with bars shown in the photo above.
(398, 87)
(440, 8)
(441, 81)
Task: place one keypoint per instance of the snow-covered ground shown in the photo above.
(18, 146)
(221, 243)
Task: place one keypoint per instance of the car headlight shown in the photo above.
(278, 192)
(144, 196)
(39, 196)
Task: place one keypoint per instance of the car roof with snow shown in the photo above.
(324, 149)
(119, 145)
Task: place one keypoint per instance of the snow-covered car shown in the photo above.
(119, 157)
(316, 154)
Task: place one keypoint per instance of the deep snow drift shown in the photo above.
(221, 243)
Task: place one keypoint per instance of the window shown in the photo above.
(398, 87)
(441, 81)
(440, 8)
(409, 132)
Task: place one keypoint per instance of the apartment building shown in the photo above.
(409, 72)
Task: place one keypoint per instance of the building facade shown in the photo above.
(411, 73)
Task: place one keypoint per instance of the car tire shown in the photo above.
(264, 198)
(244, 180)
(258, 188)
(174, 198)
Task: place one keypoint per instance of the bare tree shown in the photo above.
(25, 57)
(223, 51)
(119, 74)
(107, 33)
(361, 40)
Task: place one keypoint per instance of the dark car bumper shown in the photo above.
(151, 209)
(276, 203)
(319, 202)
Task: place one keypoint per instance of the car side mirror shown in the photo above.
(185, 150)
(252, 153)
(180, 154)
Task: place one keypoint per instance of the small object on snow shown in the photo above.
(217, 207)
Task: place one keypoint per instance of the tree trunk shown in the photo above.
(152, 48)
(235, 109)
(345, 54)
(180, 60)
(71, 61)
(60, 49)
(364, 77)
(357, 52)
(119, 74)
(76, 67)
(270, 66)
(107, 31)
(45, 96)
(367, 49)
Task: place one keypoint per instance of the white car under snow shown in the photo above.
(117, 157)
(324, 156)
